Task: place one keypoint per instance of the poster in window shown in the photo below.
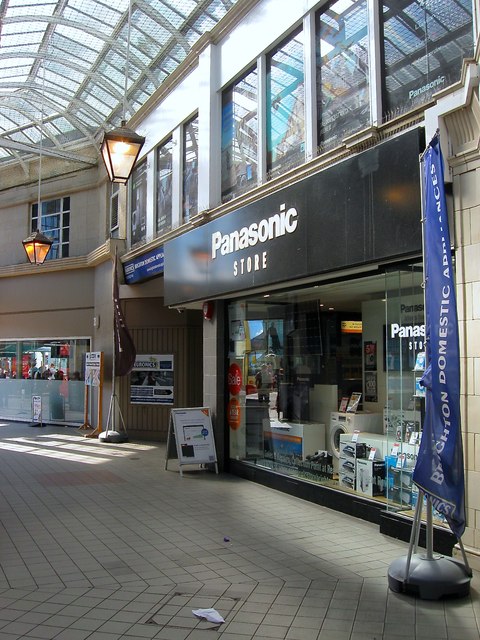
(370, 352)
(371, 394)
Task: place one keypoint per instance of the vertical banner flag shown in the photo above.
(439, 468)
(125, 351)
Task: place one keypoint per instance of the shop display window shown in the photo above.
(52, 370)
(324, 384)
(240, 136)
(343, 104)
(286, 106)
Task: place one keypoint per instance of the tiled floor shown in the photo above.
(98, 541)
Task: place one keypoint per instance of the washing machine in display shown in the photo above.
(341, 423)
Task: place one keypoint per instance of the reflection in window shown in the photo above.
(138, 204)
(164, 187)
(285, 106)
(342, 71)
(424, 44)
(190, 169)
(239, 136)
(54, 222)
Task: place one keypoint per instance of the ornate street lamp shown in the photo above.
(120, 149)
(37, 246)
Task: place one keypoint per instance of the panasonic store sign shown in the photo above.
(335, 219)
(258, 233)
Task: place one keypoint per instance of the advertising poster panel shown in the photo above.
(151, 380)
(93, 368)
(194, 435)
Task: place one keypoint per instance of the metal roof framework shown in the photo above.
(65, 65)
(70, 69)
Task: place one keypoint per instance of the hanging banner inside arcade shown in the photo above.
(439, 468)
(151, 380)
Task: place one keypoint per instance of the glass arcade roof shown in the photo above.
(62, 66)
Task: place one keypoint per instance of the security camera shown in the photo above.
(180, 309)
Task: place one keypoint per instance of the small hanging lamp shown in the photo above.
(37, 247)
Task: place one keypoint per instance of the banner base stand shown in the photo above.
(113, 436)
(429, 578)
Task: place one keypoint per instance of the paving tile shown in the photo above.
(271, 631)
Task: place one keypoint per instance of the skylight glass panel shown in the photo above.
(80, 36)
(10, 29)
(63, 125)
(167, 14)
(68, 70)
(15, 72)
(19, 136)
(20, 40)
(183, 7)
(217, 9)
(61, 80)
(18, 8)
(87, 22)
(87, 119)
(70, 49)
(96, 104)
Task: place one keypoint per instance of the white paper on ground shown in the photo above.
(209, 614)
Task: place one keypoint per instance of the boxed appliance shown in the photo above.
(370, 477)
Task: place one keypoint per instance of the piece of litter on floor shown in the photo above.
(209, 614)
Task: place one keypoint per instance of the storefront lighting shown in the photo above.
(121, 147)
(37, 247)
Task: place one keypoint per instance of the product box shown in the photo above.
(371, 440)
(370, 477)
(353, 449)
(346, 480)
(399, 483)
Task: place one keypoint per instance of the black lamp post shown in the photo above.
(37, 246)
(120, 149)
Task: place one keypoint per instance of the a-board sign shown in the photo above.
(37, 409)
(193, 433)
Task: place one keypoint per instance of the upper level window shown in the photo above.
(343, 105)
(424, 44)
(190, 169)
(54, 222)
(240, 136)
(164, 187)
(286, 106)
(138, 204)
